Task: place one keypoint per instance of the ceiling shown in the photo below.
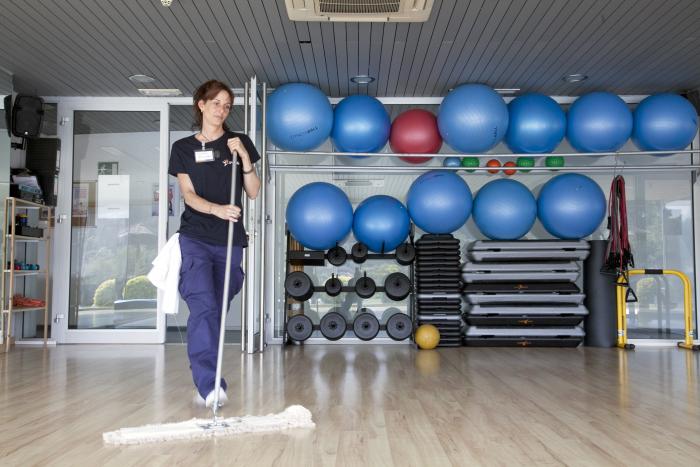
(89, 48)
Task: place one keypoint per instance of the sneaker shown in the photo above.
(210, 398)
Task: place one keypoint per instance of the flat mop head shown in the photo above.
(294, 416)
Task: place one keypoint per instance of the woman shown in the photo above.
(202, 165)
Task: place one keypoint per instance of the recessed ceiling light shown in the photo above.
(362, 79)
(575, 78)
(141, 79)
(160, 92)
(507, 90)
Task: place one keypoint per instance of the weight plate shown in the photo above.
(299, 328)
(397, 286)
(386, 314)
(399, 326)
(333, 286)
(365, 287)
(359, 252)
(298, 285)
(405, 254)
(333, 326)
(337, 256)
(366, 326)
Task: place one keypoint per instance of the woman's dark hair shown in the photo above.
(206, 92)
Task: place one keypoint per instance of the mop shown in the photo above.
(294, 416)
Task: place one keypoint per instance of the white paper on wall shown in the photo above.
(112, 196)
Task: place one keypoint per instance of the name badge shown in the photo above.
(205, 155)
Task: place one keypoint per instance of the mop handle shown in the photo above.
(224, 304)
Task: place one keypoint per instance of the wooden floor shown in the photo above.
(373, 405)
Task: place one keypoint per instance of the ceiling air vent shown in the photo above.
(359, 10)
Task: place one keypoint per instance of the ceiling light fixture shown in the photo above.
(362, 79)
(141, 79)
(160, 92)
(575, 78)
(507, 90)
(166, 2)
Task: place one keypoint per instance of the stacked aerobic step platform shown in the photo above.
(524, 293)
(439, 301)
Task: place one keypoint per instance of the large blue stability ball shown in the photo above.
(536, 124)
(504, 209)
(571, 206)
(664, 122)
(299, 117)
(319, 215)
(473, 118)
(439, 202)
(360, 124)
(599, 122)
(381, 222)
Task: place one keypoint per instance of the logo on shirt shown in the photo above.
(227, 162)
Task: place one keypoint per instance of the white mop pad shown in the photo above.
(294, 416)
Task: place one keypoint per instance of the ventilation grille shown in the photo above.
(359, 10)
(360, 7)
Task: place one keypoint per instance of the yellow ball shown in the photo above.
(427, 336)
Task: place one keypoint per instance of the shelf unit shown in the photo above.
(9, 275)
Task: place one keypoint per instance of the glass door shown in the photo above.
(110, 224)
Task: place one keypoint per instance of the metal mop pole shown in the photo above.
(224, 304)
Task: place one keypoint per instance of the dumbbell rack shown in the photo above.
(298, 257)
(524, 293)
(439, 301)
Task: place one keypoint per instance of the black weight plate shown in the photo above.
(299, 328)
(359, 252)
(365, 287)
(298, 285)
(399, 326)
(366, 326)
(397, 286)
(405, 254)
(333, 326)
(333, 286)
(337, 256)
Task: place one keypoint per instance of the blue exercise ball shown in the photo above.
(360, 124)
(571, 206)
(319, 215)
(599, 122)
(439, 202)
(473, 118)
(536, 124)
(381, 222)
(504, 209)
(664, 122)
(452, 162)
(299, 117)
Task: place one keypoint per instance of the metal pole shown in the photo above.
(263, 218)
(409, 170)
(244, 297)
(484, 156)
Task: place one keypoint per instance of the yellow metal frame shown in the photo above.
(622, 285)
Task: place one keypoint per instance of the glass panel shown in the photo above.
(114, 222)
(181, 127)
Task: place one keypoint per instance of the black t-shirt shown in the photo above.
(211, 181)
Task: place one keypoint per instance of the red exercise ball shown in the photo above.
(415, 131)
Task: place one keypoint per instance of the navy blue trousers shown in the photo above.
(201, 286)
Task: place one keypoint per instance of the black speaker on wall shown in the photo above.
(27, 113)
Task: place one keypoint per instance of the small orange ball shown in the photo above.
(509, 164)
(493, 163)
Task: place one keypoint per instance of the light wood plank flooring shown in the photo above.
(373, 405)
